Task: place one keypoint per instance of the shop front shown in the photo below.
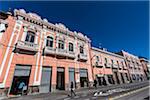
(83, 78)
(45, 85)
(20, 80)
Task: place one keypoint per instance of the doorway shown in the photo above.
(71, 76)
(60, 79)
(122, 77)
(45, 86)
(83, 78)
(20, 80)
(116, 76)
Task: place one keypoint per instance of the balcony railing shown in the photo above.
(124, 66)
(108, 65)
(61, 52)
(114, 65)
(98, 64)
(128, 58)
(82, 56)
(71, 54)
(27, 46)
(49, 50)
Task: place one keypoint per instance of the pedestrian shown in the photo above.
(20, 87)
(72, 91)
(95, 83)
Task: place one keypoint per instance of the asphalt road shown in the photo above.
(138, 94)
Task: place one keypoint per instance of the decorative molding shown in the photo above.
(36, 19)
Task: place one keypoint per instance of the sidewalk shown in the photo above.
(64, 94)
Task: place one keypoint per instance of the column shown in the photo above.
(66, 78)
(54, 76)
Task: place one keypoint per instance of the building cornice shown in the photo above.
(106, 52)
(34, 18)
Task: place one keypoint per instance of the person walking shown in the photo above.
(72, 91)
(95, 83)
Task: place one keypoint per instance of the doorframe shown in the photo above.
(87, 76)
(50, 75)
(74, 76)
(14, 74)
(64, 77)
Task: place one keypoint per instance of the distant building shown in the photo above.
(108, 68)
(146, 66)
(134, 65)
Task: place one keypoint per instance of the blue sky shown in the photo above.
(116, 25)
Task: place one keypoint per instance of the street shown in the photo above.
(132, 91)
(138, 94)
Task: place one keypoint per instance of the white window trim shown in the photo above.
(45, 39)
(73, 45)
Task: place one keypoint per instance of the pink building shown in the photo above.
(43, 56)
(108, 68)
(134, 65)
(146, 67)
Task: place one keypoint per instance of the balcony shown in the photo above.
(61, 52)
(49, 50)
(124, 67)
(108, 65)
(82, 57)
(98, 64)
(128, 59)
(114, 65)
(24, 45)
(71, 54)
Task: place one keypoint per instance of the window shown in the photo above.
(97, 58)
(61, 44)
(71, 47)
(117, 63)
(81, 50)
(105, 60)
(30, 37)
(49, 41)
(3, 27)
(112, 61)
(110, 79)
(122, 64)
(126, 76)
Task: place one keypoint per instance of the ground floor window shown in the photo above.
(122, 77)
(133, 77)
(101, 81)
(126, 75)
(110, 79)
(83, 78)
(117, 78)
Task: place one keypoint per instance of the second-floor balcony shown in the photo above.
(61, 52)
(98, 64)
(108, 65)
(114, 65)
(24, 45)
(71, 54)
(82, 57)
(49, 50)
